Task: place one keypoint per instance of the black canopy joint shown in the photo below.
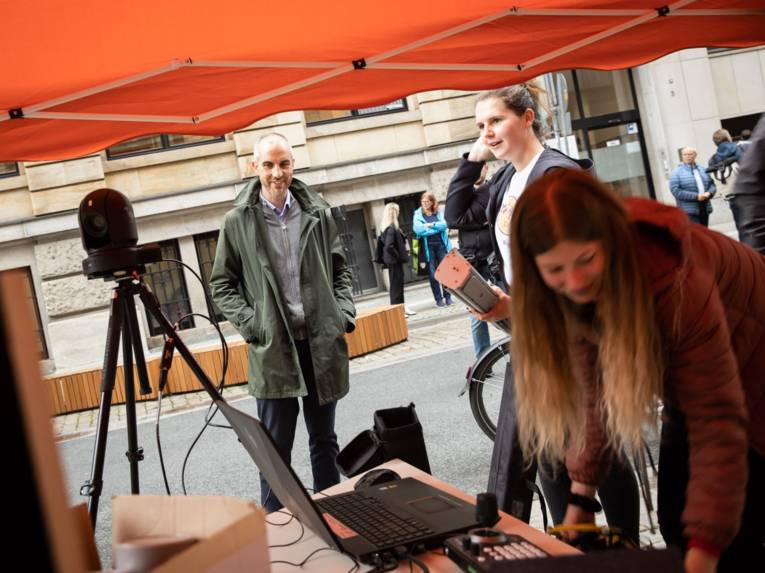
(15, 113)
(359, 64)
(663, 10)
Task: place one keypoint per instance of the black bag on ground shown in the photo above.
(397, 433)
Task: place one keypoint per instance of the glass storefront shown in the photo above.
(605, 126)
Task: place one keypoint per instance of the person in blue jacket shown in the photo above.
(726, 149)
(430, 227)
(692, 187)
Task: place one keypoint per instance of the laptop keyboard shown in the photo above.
(371, 518)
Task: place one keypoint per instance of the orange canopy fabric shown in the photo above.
(79, 76)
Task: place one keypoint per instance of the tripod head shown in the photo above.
(110, 237)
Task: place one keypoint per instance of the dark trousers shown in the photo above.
(396, 276)
(701, 217)
(280, 418)
(749, 216)
(437, 253)
(748, 546)
(618, 494)
(509, 473)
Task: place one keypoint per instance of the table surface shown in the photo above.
(326, 561)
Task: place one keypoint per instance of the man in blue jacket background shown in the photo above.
(692, 187)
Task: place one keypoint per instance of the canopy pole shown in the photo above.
(647, 17)
(340, 70)
(29, 111)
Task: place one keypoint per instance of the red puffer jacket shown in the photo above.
(710, 304)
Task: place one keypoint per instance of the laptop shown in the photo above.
(363, 522)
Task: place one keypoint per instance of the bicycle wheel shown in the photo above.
(487, 378)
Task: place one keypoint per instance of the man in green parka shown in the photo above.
(280, 277)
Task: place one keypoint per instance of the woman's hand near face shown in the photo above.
(500, 311)
(479, 152)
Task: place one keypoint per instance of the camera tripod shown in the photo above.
(123, 323)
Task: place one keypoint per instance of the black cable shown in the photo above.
(291, 517)
(159, 443)
(419, 564)
(212, 409)
(302, 533)
(304, 561)
(543, 506)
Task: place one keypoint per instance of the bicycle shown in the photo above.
(484, 384)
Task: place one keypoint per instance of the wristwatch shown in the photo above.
(586, 503)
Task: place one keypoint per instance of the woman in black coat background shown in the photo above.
(395, 254)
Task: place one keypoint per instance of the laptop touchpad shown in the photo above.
(431, 504)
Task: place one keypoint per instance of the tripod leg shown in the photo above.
(151, 304)
(92, 488)
(134, 453)
(140, 361)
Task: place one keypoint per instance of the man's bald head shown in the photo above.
(274, 163)
(267, 141)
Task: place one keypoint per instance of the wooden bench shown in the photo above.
(375, 329)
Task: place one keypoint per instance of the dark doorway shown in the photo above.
(407, 205)
(735, 125)
(353, 234)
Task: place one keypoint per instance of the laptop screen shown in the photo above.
(285, 484)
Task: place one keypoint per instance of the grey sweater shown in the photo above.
(284, 236)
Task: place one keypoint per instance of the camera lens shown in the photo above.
(95, 224)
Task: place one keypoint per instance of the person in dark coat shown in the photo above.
(395, 254)
(747, 202)
(511, 130)
(474, 236)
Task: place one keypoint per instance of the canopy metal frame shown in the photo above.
(637, 17)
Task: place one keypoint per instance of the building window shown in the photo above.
(154, 143)
(8, 168)
(29, 289)
(314, 117)
(166, 280)
(206, 245)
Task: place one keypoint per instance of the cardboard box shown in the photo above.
(231, 532)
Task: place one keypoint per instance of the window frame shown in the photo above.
(166, 146)
(188, 322)
(356, 113)
(32, 296)
(202, 263)
(14, 173)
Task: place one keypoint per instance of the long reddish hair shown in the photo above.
(570, 205)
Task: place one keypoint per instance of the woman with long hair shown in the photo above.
(395, 254)
(618, 304)
(430, 227)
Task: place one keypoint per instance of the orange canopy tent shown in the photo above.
(82, 75)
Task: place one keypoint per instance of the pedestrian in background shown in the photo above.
(395, 254)
(747, 202)
(466, 203)
(430, 227)
(692, 187)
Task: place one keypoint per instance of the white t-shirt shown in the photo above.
(505, 215)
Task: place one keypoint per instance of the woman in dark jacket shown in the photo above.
(511, 130)
(395, 254)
